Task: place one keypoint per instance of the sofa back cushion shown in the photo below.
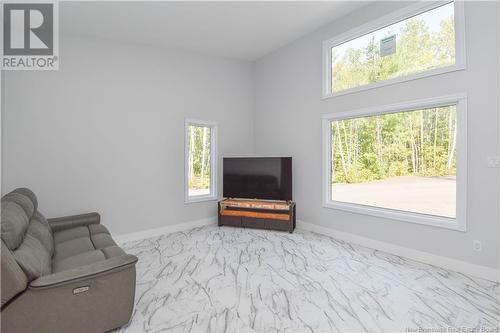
(26, 233)
(13, 278)
(15, 220)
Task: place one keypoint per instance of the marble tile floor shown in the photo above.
(223, 279)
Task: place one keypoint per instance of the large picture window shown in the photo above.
(422, 40)
(405, 162)
(200, 160)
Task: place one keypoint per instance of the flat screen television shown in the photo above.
(267, 178)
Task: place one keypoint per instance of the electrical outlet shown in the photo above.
(493, 161)
(477, 246)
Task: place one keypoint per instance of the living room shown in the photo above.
(250, 166)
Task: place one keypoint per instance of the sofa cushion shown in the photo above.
(14, 224)
(82, 259)
(26, 233)
(70, 234)
(40, 229)
(13, 279)
(73, 247)
(24, 198)
(25, 192)
(80, 246)
(113, 251)
(100, 236)
(33, 258)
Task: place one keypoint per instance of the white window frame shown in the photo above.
(384, 21)
(458, 223)
(213, 161)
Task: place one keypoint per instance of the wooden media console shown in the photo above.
(262, 214)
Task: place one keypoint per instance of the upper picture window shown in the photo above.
(425, 42)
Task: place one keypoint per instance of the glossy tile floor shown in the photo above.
(213, 279)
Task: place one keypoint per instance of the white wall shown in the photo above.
(106, 132)
(288, 122)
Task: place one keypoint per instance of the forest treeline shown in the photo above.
(421, 142)
(199, 157)
(417, 49)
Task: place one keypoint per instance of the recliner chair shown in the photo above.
(61, 275)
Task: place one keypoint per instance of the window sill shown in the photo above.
(200, 198)
(396, 80)
(417, 218)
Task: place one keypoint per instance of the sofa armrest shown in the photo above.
(86, 272)
(66, 222)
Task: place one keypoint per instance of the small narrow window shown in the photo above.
(200, 161)
(415, 43)
(406, 162)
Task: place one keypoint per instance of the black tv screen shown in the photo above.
(268, 178)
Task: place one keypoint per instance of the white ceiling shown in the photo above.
(241, 30)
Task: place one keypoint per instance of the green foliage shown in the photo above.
(420, 142)
(418, 49)
(199, 183)
(199, 157)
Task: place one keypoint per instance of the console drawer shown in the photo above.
(278, 225)
(233, 221)
(251, 222)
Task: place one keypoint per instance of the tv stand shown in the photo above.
(261, 214)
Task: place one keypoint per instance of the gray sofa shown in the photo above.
(61, 275)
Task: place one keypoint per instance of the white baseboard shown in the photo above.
(120, 239)
(483, 272)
